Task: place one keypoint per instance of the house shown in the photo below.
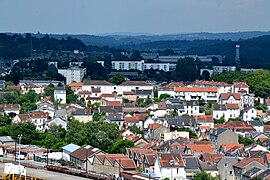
(237, 126)
(143, 94)
(115, 118)
(60, 95)
(129, 95)
(245, 165)
(195, 93)
(264, 175)
(253, 172)
(191, 166)
(229, 98)
(169, 88)
(205, 120)
(157, 109)
(225, 111)
(165, 136)
(249, 113)
(112, 164)
(83, 95)
(155, 130)
(68, 149)
(10, 109)
(75, 86)
(36, 117)
(25, 88)
(134, 85)
(58, 122)
(267, 103)
(210, 157)
(223, 136)
(223, 87)
(225, 167)
(240, 86)
(100, 86)
(6, 141)
(83, 115)
(198, 149)
(168, 165)
(83, 157)
(45, 105)
(257, 125)
(136, 120)
(209, 168)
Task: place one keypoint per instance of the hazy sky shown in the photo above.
(148, 16)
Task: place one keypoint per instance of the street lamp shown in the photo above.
(20, 138)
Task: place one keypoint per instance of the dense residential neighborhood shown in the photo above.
(108, 113)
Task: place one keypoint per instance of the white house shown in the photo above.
(169, 88)
(249, 113)
(10, 108)
(58, 122)
(195, 93)
(229, 98)
(165, 136)
(220, 69)
(169, 166)
(60, 95)
(103, 86)
(223, 87)
(237, 87)
(226, 111)
(205, 120)
(25, 88)
(133, 85)
(158, 110)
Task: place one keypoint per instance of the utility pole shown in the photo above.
(20, 138)
(15, 150)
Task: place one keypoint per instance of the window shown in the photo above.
(177, 171)
(230, 172)
(225, 165)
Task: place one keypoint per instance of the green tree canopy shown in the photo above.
(186, 69)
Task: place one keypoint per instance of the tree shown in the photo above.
(202, 175)
(136, 55)
(244, 140)
(117, 79)
(135, 129)
(71, 97)
(164, 96)
(185, 69)
(119, 147)
(5, 120)
(206, 75)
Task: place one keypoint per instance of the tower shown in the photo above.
(237, 55)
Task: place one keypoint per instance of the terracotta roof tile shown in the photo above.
(209, 157)
(114, 103)
(204, 118)
(226, 96)
(135, 83)
(244, 162)
(240, 84)
(195, 89)
(170, 160)
(196, 148)
(211, 83)
(232, 106)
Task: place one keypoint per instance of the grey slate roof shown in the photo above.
(251, 172)
(256, 123)
(191, 164)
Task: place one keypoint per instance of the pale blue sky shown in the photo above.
(148, 16)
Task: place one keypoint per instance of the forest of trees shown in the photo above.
(257, 80)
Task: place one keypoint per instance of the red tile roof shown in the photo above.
(211, 83)
(240, 84)
(126, 164)
(195, 89)
(266, 128)
(170, 160)
(170, 86)
(135, 118)
(209, 157)
(232, 106)
(129, 93)
(154, 126)
(84, 151)
(244, 162)
(114, 103)
(226, 96)
(196, 148)
(204, 118)
(107, 95)
(228, 147)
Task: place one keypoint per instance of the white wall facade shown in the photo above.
(249, 114)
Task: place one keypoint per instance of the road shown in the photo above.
(47, 175)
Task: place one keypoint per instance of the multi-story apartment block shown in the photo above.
(73, 74)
